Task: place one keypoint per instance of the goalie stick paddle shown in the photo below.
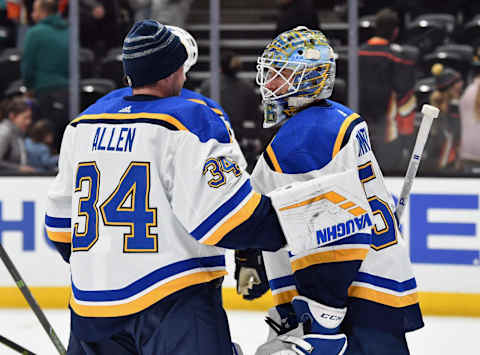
(429, 113)
(15, 346)
(31, 301)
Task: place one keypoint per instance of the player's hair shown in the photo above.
(386, 21)
(49, 6)
(439, 99)
(445, 80)
(39, 130)
(18, 105)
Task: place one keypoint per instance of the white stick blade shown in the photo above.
(429, 110)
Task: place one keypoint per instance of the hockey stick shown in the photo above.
(15, 346)
(429, 113)
(31, 301)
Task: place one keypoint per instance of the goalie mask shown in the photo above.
(190, 45)
(295, 69)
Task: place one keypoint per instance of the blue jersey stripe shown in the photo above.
(56, 222)
(386, 283)
(222, 211)
(149, 280)
(281, 282)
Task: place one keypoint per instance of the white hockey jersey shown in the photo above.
(328, 139)
(145, 190)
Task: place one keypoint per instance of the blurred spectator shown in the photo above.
(45, 64)
(8, 25)
(38, 145)
(470, 123)
(242, 105)
(386, 93)
(293, 13)
(13, 155)
(444, 143)
(103, 24)
(141, 9)
(18, 12)
(171, 12)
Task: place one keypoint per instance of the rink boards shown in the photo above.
(439, 225)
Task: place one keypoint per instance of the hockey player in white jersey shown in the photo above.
(358, 295)
(148, 193)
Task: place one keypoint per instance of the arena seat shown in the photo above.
(470, 33)
(111, 66)
(429, 31)
(87, 62)
(423, 89)
(456, 56)
(10, 59)
(91, 89)
(15, 88)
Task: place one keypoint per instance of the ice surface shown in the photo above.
(440, 336)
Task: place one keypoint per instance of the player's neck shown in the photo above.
(150, 91)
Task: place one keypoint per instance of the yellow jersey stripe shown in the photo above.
(331, 196)
(357, 211)
(216, 110)
(198, 101)
(347, 205)
(146, 300)
(382, 297)
(62, 237)
(341, 134)
(238, 218)
(119, 116)
(330, 256)
(273, 158)
(284, 297)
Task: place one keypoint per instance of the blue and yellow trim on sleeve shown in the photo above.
(148, 290)
(283, 289)
(236, 210)
(345, 131)
(384, 291)
(58, 229)
(271, 159)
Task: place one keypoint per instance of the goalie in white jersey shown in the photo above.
(149, 192)
(357, 295)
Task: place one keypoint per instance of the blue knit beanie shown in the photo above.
(151, 53)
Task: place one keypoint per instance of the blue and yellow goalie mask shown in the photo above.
(295, 69)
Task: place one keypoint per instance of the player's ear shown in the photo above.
(125, 81)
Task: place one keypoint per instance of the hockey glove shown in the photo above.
(283, 323)
(252, 281)
(322, 323)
